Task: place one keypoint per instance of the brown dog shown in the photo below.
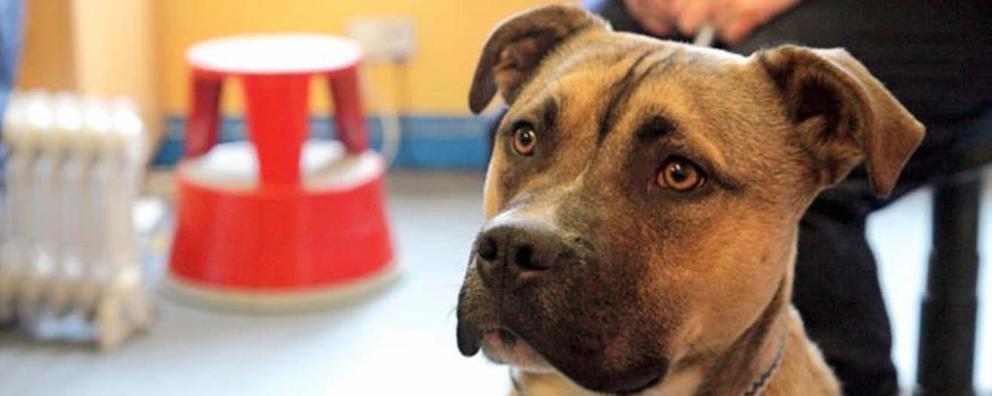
(643, 202)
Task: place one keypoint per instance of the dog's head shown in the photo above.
(643, 196)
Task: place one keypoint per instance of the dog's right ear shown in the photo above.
(517, 46)
(843, 114)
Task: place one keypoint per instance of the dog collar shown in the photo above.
(761, 383)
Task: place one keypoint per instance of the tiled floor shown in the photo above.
(398, 342)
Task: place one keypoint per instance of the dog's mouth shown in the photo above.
(575, 330)
(502, 345)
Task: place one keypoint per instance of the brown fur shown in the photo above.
(695, 286)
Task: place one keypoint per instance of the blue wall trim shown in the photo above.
(428, 142)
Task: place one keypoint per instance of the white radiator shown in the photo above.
(70, 251)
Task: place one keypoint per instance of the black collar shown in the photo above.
(759, 384)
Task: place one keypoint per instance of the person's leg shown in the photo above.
(837, 290)
(838, 295)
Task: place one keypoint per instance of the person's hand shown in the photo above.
(734, 19)
(655, 16)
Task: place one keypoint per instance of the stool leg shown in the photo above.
(948, 319)
(277, 124)
(348, 113)
(201, 125)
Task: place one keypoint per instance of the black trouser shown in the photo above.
(936, 58)
(838, 294)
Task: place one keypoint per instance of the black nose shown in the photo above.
(514, 248)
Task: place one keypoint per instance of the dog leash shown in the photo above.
(705, 36)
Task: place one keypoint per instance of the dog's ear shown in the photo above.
(843, 113)
(516, 47)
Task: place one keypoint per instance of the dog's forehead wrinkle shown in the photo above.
(623, 88)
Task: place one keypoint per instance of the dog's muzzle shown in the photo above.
(532, 279)
(506, 254)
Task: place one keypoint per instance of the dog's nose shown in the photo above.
(514, 248)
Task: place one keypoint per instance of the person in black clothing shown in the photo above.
(934, 56)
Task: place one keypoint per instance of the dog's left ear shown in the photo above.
(518, 45)
(843, 114)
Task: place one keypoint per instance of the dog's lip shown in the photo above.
(469, 339)
(642, 387)
(499, 337)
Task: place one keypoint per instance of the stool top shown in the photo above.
(275, 54)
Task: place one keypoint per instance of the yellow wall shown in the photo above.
(449, 36)
(115, 51)
(136, 47)
(93, 47)
(47, 60)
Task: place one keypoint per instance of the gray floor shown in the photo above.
(400, 341)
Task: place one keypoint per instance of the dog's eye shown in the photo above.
(680, 175)
(524, 139)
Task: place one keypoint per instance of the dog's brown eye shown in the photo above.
(524, 140)
(680, 175)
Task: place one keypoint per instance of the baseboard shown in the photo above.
(428, 142)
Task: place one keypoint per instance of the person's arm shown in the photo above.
(734, 20)
(619, 15)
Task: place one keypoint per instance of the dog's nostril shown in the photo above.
(488, 250)
(525, 259)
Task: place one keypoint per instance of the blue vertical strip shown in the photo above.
(11, 23)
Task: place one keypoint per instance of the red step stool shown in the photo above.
(278, 221)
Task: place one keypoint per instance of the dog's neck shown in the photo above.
(745, 368)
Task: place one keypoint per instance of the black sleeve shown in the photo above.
(936, 58)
